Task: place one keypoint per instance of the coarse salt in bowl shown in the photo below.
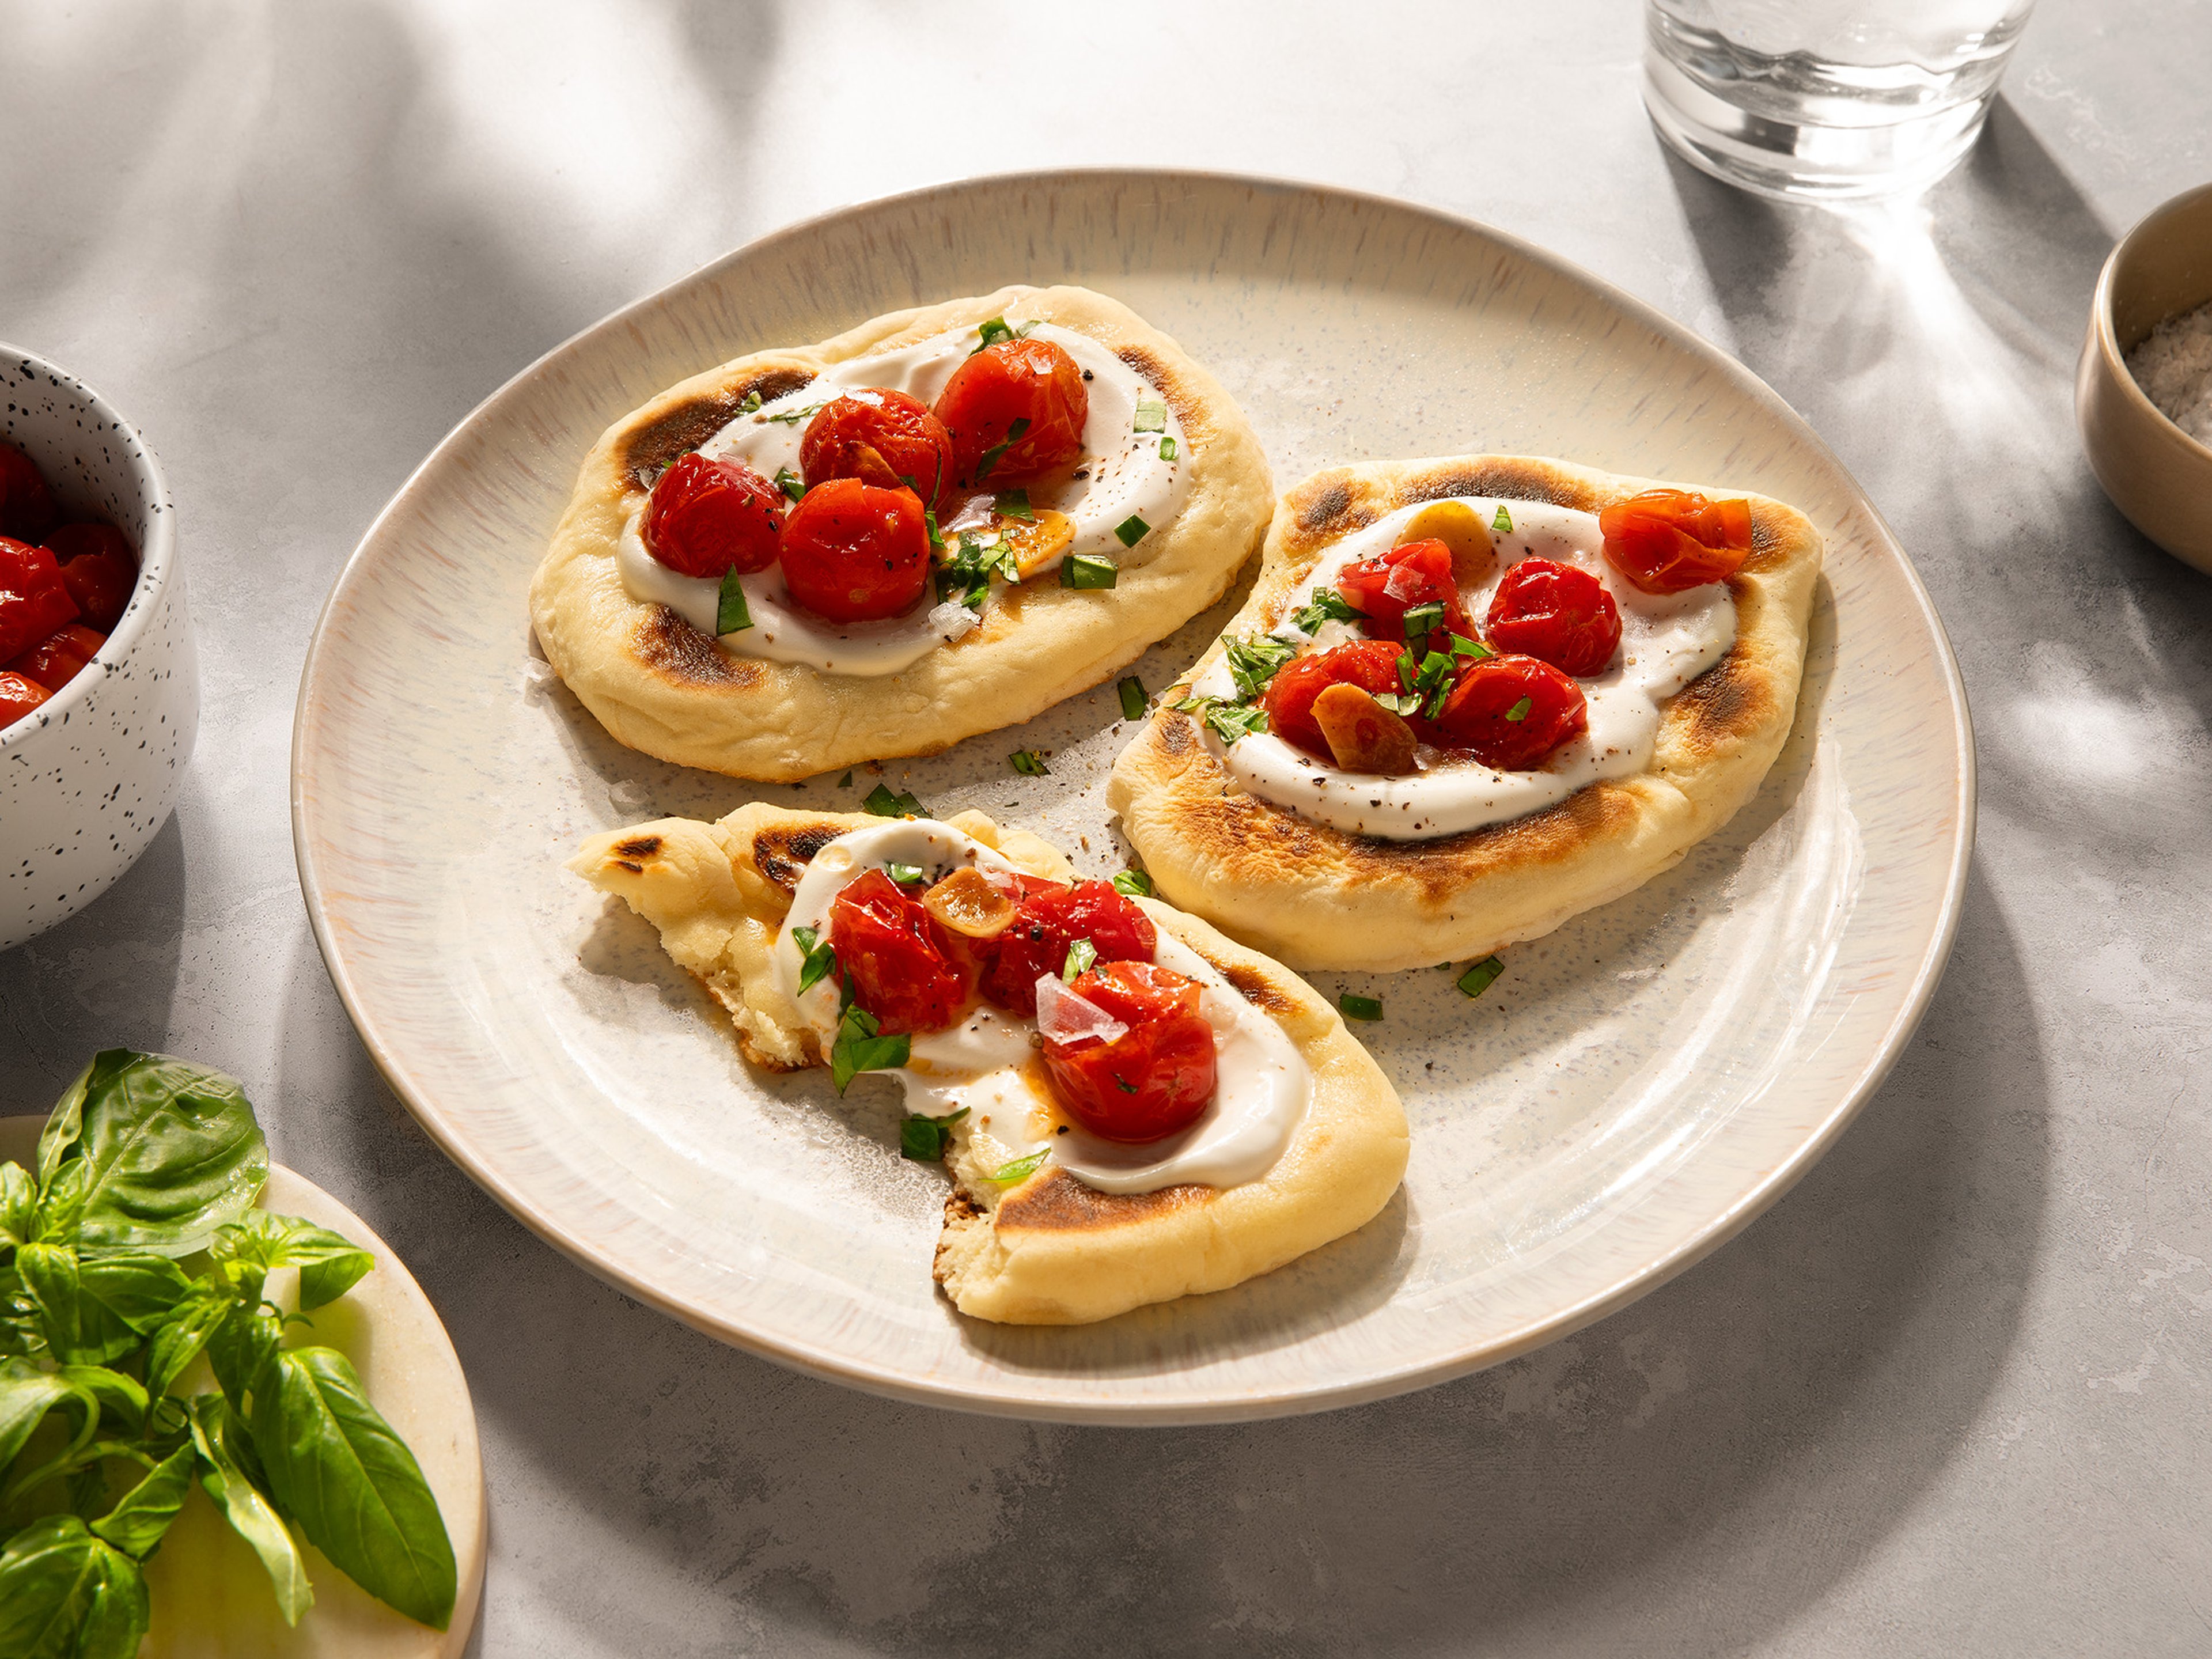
(90, 776)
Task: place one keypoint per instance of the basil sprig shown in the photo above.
(131, 1249)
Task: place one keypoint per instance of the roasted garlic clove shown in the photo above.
(1363, 735)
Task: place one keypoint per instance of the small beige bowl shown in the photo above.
(2155, 473)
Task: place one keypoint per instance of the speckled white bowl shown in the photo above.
(86, 779)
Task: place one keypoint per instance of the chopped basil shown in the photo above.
(1167, 447)
(1134, 697)
(1029, 763)
(730, 614)
(1123, 1084)
(1359, 1008)
(991, 455)
(1327, 605)
(1229, 721)
(1022, 1168)
(924, 1139)
(1255, 660)
(994, 331)
(1421, 619)
(1400, 702)
(1081, 956)
(792, 416)
(1503, 524)
(1463, 647)
(793, 485)
(1152, 414)
(1131, 531)
(1476, 980)
(885, 804)
(936, 536)
(1519, 711)
(965, 574)
(1013, 504)
(845, 782)
(904, 874)
(860, 1047)
(818, 961)
(751, 404)
(1135, 883)
(1088, 570)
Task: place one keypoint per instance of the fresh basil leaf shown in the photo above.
(140, 1288)
(330, 1263)
(1089, 572)
(1476, 980)
(791, 484)
(28, 1392)
(61, 1204)
(171, 1149)
(1135, 883)
(1421, 618)
(989, 332)
(1134, 697)
(1519, 711)
(1021, 1169)
(1463, 647)
(1131, 531)
(239, 1345)
(1151, 416)
(65, 1124)
(903, 875)
(1168, 451)
(19, 1204)
(217, 1438)
(1081, 956)
(122, 1399)
(80, 1329)
(991, 456)
(923, 1138)
(352, 1484)
(178, 1342)
(1327, 605)
(816, 962)
(1255, 660)
(885, 804)
(67, 1595)
(731, 614)
(1503, 524)
(142, 1515)
(1029, 763)
(1359, 1008)
(1013, 504)
(1229, 721)
(860, 1049)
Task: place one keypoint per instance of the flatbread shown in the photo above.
(1050, 1250)
(1316, 897)
(661, 685)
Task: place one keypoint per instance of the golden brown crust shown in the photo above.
(1314, 896)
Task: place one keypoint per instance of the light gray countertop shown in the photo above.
(1949, 1396)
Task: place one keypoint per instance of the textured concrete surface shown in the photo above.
(1948, 1397)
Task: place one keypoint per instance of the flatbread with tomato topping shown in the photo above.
(1035, 585)
(1386, 862)
(1025, 1240)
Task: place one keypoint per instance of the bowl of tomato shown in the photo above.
(99, 683)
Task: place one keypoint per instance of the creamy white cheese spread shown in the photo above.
(1666, 641)
(1121, 475)
(984, 1062)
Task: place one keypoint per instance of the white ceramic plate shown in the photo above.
(1634, 1089)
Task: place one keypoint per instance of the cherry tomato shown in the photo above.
(1668, 541)
(880, 437)
(34, 601)
(853, 552)
(904, 971)
(1480, 714)
(708, 518)
(27, 506)
(1025, 380)
(1558, 612)
(1416, 573)
(1153, 1079)
(98, 567)
(19, 696)
(1047, 924)
(56, 660)
(1371, 664)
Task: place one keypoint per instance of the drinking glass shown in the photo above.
(1826, 99)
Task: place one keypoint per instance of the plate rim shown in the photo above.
(895, 1384)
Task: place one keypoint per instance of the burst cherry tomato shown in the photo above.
(1511, 712)
(56, 660)
(709, 518)
(1418, 573)
(1371, 664)
(33, 601)
(1047, 924)
(880, 437)
(1033, 382)
(1153, 1079)
(904, 970)
(27, 507)
(1668, 541)
(19, 696)
(854, 553)
(99, 569)
(1558, 612)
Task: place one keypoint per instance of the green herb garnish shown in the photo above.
(1327, 605)
(1013, 504)
(731, 614)
(924, 1139)
(936, 536)
(1151, 416)
(994, 330)
(1022, 1168)
(861, 1048)
(1135, 883)
(1256, 658)
(1167, 447)
(1131, 531)
(1359, 1008)
(1134, 697)
(1421, 618)
(1088, 570)
(792, 416)
(885, 804)
(966, 572)
(1503, 524)
(1463, 647)
(991, 455)
(1080, 956)
(1476, 980)
(904, 875)
(817, 960)
(1229, 721)
(1029, 763)
(791, 484)
(1519, 711)
(845, 782)
(751, 404)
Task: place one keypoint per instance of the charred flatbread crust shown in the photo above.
(1048, 1251)
(1314, 896)
(661, 685)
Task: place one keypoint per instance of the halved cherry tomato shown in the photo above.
(1047, 924)
(881, 437)
(1371, 664)
(99, 568)
(904, 970)
(19, 696)
(1153, 1079)
(1558, 612)
(1032, 382)
(709, 518)
(27, 506)
(34, 601)
(852, 553)
(1511, 712)
(56, 660)
(1668, 541)
(1385, 588)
